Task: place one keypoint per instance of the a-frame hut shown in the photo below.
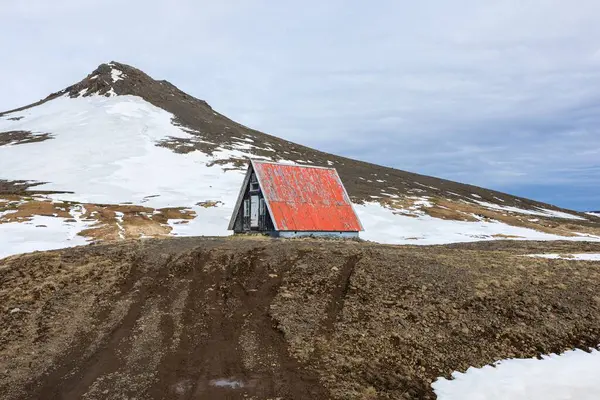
(291, 200)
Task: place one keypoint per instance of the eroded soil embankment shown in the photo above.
(236, 318)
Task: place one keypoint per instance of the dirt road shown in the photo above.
(202, 318)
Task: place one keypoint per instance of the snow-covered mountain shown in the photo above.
(121, 155)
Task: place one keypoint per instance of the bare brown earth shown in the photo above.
(106, 221)
(22, 137)
(21, 187)
(267, 319)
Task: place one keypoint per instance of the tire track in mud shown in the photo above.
(324, 333)
(187, 358)
(72, 375)
(90, 361)
(76, 378)
(195, 326)
(230, 347)
(338, 295)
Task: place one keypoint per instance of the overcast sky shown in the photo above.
(502, 94)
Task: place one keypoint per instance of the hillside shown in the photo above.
(120, 155)
(238, 318)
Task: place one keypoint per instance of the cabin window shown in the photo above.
(246, 208)
(254, 183)
(262, 207)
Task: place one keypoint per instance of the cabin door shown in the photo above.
(254, 211)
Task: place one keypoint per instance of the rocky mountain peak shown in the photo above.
(118, 79)
(115, 78)
(106, 80)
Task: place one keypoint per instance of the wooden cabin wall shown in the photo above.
(265, 221)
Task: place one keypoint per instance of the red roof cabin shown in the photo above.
(290, 200)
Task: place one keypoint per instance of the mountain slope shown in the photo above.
(121, 155)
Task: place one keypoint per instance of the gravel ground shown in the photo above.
(253, 318)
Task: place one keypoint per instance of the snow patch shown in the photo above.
(425, 186)
(571, 375)
(4, 213)
(573, 257)
(116, 75)
(227, 383)
(119, 218)
(560, 214)
(386, 225)
(422, 202)
(41, 233)
(541, 211)
(243, 146)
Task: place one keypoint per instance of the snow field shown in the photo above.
(541, 211)
(104, 151)
(384, 225)
(571, 375)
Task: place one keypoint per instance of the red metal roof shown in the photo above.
(305, 198)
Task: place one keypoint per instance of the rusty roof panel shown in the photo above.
(305, 198)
